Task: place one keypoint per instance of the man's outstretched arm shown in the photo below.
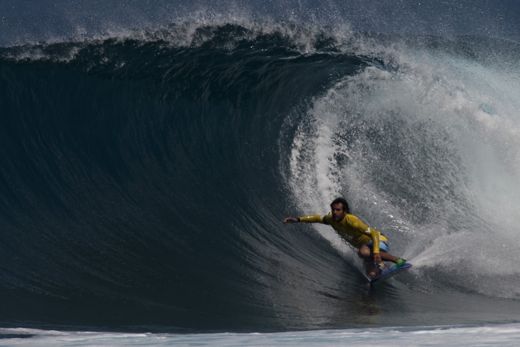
(304, 219)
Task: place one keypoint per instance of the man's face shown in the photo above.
(338, 213)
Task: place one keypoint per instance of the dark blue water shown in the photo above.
(143, 181)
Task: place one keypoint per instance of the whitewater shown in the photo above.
(145, 171)
(502, 335)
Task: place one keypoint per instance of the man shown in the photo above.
(371, 245)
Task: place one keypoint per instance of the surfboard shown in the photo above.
(389, 272)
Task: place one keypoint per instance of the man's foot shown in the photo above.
(372, 269)
(400, 262)
(372, 274)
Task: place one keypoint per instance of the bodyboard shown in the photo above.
(389, 272)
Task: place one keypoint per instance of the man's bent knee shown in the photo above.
(364, 252)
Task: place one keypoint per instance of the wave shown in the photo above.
(144, 178)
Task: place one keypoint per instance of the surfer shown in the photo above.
(372, 246)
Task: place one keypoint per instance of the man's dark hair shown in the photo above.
(341, 201)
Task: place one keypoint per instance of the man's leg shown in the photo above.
(385, 256)
(396, 260)
(370, 267)
(388, 257)
(364, 252)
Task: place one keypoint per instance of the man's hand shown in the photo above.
(377, 258)
(291, 220)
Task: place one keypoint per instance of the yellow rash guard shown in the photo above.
(351, 228)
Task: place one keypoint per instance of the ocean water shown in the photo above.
(145, 172)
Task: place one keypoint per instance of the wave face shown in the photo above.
(144, 178)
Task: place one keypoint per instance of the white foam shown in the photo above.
(490, 335)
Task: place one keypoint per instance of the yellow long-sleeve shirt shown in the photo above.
(351, 228)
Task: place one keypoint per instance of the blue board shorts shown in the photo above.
(383, 246)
